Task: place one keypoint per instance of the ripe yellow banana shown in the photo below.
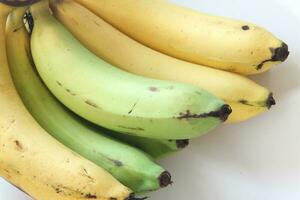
(246, 98)
(217, 42)
(32, 160)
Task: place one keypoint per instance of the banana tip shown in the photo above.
(270, 101)
(224, 112)
(181, 144)
(165, 179)
(281, 53)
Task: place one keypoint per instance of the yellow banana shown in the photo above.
(246, 98)
(32, 160)
(217, 42)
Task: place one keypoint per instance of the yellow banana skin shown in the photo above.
(200, 38)
(32, 160)
(246, 98)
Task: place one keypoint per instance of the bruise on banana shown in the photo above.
(278, 54)
(222, 114)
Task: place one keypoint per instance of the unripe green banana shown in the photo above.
(129, 165)
(154, 147)
(114, 98)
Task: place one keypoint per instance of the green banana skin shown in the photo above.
(129, 165)
(155, 148)
(115, 99)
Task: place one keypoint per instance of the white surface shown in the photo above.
(255, 160)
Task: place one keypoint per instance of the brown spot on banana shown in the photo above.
(245, 27)
(130, 111)
(85, 173)
(90, 196)
(153, 89)
(19, 145)
(57, 190)
(245, 102)
(85, 170)
(91, 103)
(69, 91)
(118, 163)
(59, 83)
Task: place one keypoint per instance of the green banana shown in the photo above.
(129, 165)
(113, 98)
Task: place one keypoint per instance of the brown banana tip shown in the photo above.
(182, 143)
(281, 53)
(132, 197)
(19, 3)
(224, 112)
(165, 179)
(270, 101)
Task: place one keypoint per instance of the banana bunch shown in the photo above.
(93, 93)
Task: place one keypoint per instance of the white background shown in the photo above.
(255, 160)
